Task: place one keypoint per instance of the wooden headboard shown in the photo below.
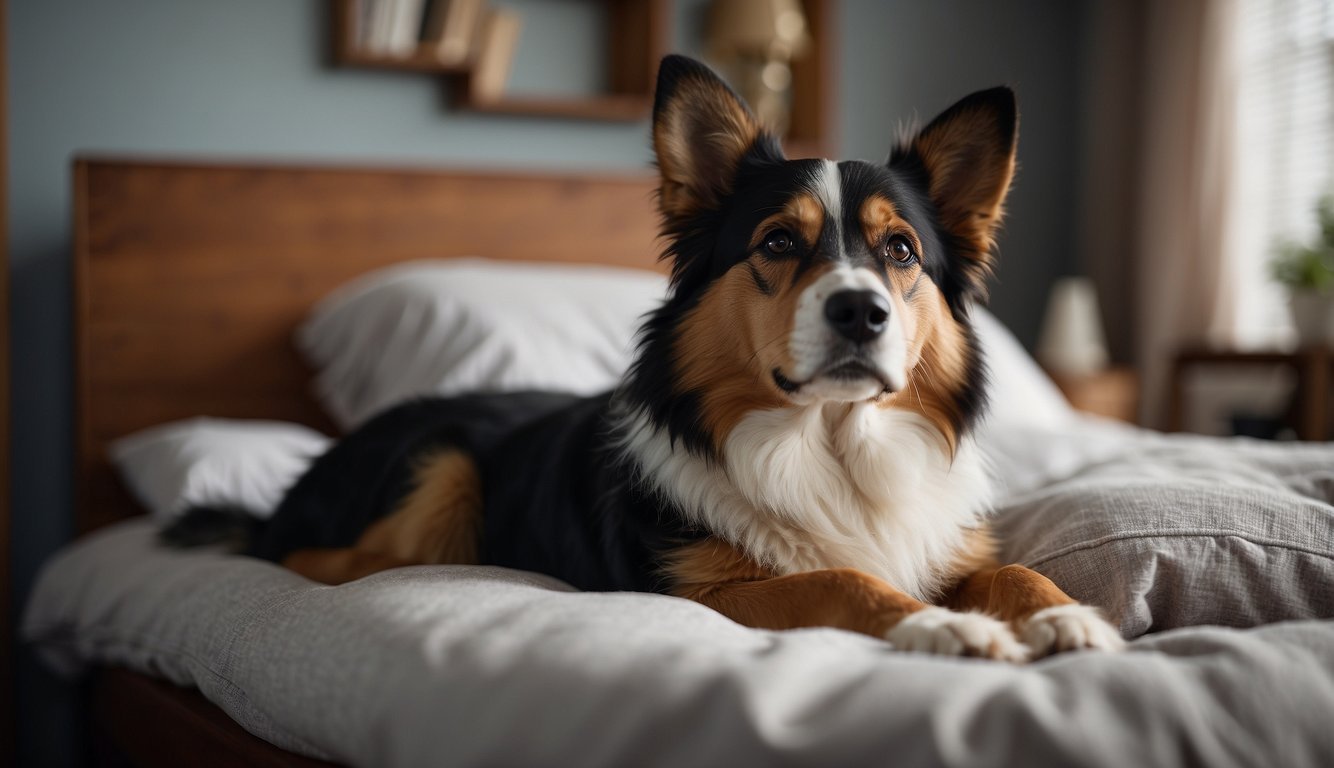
(190, 277)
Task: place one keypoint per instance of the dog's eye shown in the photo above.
(778, 241)
(899, 249)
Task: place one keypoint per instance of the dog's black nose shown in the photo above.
(858, 315)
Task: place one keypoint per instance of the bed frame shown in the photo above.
(189, 279)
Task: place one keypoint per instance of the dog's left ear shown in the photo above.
(968, 153)
(701, 132)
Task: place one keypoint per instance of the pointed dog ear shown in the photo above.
(968, 154)
(701, 131)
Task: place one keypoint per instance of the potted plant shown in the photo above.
(1307, 271)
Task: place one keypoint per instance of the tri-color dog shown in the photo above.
(792, 444)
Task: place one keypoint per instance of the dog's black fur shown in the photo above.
(559, 497)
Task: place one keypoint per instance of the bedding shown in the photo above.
(468, 665)
(492, 325)
(503, 326)
(1250, 536)
(245, 463)
(474, 665)
(1167, 531)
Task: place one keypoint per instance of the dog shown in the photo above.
(792, 445)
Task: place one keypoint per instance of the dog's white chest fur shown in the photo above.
(832, 486)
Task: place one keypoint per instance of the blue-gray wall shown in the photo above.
(249, 78)
(906, 58)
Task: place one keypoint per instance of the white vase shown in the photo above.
(1313, 316)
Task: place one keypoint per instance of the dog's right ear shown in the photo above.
(968, 154)
(701, 131)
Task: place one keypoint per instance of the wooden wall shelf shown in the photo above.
(639, 34)
(611, 107)
(814, 82)
(638, 31)
(421, 62)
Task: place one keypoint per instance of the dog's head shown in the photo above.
(800, 283)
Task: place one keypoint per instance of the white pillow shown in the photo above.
(203, 461)
(448, 326)
(1020, 393)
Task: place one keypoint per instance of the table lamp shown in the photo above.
(754, 42)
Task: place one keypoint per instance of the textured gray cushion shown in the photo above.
(482, 666)
(444, 665)
(1179, 531)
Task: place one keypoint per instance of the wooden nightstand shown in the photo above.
(1309, 411)
(1113, 393)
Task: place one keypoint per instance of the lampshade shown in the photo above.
(1072, 340)
(761, 27)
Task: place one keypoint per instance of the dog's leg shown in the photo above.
(1045, 618)
(438, 522)
(717, 575)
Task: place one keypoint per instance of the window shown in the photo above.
(1284, 54)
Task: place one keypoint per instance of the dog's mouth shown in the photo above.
(854, 370)
(848, 372)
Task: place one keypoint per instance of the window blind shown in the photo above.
(1284, 59)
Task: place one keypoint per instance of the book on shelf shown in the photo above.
(363, 21)
(454, 32)
(379, 18)
(389, 27)
(405, 27)
(496, 42)
(451, 28)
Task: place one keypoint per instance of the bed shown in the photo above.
(1215, 558)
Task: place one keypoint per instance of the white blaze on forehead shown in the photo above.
(827, 186)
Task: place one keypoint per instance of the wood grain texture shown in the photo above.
(1113, 393)
(639, 35)
(153, 723)
(190, 278)
(1311, 405)
(813, 131)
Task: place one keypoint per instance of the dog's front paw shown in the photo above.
(1069, 628)
(942, 631)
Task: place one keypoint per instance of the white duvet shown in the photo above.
(431, 666)
(464, 666)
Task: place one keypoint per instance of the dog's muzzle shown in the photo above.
(847, 341)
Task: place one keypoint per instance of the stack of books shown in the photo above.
(453, 32)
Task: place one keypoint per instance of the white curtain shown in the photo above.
(1210, 138)
(1185, 183)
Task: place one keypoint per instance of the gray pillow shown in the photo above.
(1183, 531)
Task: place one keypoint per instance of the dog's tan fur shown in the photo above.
(438, 523)
(730, 370)
(725, 349)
